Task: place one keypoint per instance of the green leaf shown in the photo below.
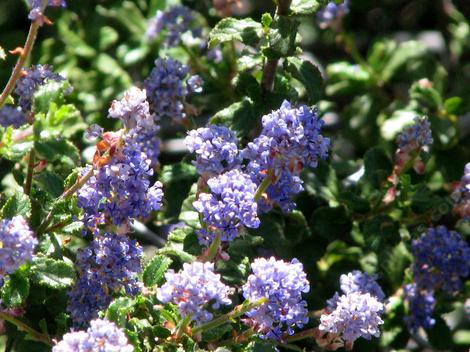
(58, 150)
(282, 35)
(306, 7)
(50, 182)
(51, 92)
(346, 78)
(16, 289)
(266, 20)
(245, 30)
(119, 309)
(454, 105)
(426, 95)
(309, 75)
(381, 232)
(18, 204)
(377, 166)
(155, 270)
(440, 335)
(403, 54)
(108, 36)
(52, 273)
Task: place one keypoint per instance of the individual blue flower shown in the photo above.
(175, 21)
(289, 141)
(11, 116)
(167, 88)
(229, 206)
(441, 260)
(193, 289)
(357, 281)
(101, 336)
(109, 265)
(421, 306)
(353, 315)
(36, 12)
(121, 190)
(331, 12)
(416, 136)
(32, 79)
(282, 283)
(215, 148)
(133, 109)
(17, 244)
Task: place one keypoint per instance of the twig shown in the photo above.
(29, 175)
(35, 335)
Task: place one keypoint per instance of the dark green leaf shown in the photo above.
(377, 166)
(282, 37)
(50, 182)
(309, 75)
(119, 309)
(18, 204)
(346, 78)
(15, 290)
(331, 223)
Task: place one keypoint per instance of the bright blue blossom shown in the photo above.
(290, 140)
(29, 83)
(282, 283)
(442, 259)
(192, 289)
(215, 148)
(11, 116)
(421, 306)
(133, 109)
(17, 244)
(229, 206)
(101, 336)
(331, 12)
(36, 12)
(120, 191)
(461, 195)
(416, 136)
(175, 21)
(110, 264)
(352, 316)
(167, 88)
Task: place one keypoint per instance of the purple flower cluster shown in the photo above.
(101, 336)
(17, 244)
(215, 148)
(36, 12)
(11, 116)
(421, 305)
(120, 190)
(416, 136)
(134, 112)
(356, 313)
(461, 195)
(192, 289)
(290, 140)
(32, 79)
(442, 259)
(176, 21)
(108, 265)
(331, 12)
(282, 283)
(167, 89)
(230, 205)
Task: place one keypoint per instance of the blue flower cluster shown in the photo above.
(192, 289)
(215, 148)
(461, 195)
(442, 259)
(416, 136)
(120, 190)
(108, 265)
(176, 21)
(17, 244)
(229, 206)
(421, 306)
(36, 12)
(31, 80)
(11, 116)
(331, 12)
(167, 89)
(356, 313)
(290, 140)
(282, 283)
(101, 336)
